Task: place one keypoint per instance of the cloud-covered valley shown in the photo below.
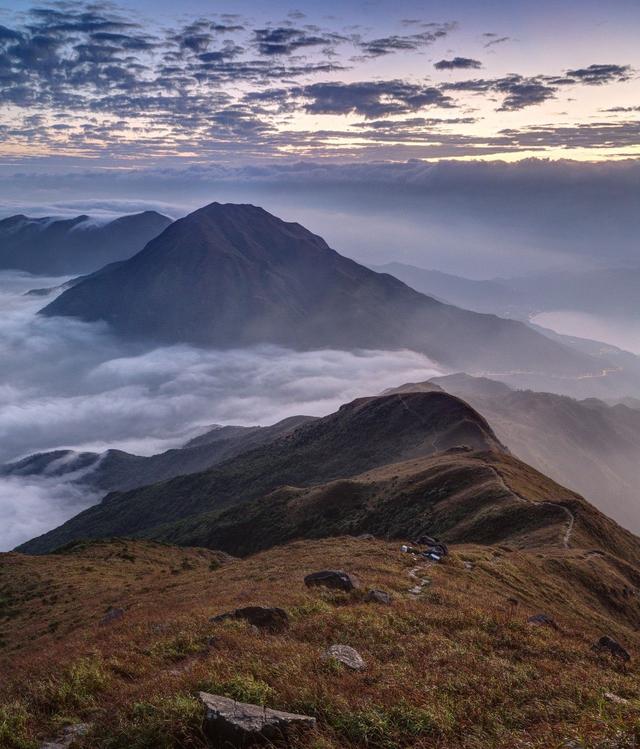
(65, 384)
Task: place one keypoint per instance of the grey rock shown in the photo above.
(540, 620)
(112, 615)
(270, 618)
(238, 724)
(336, 579)
(377, 596)
(346, 655)
(68, 735)
(608, 644)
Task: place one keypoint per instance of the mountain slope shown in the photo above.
(119, 470)
(50, 246)
(587, 445)
(234, 275)
(361, 435)
(455, 665)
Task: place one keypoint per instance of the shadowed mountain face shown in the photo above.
(59, 247)
(588, 445)
(234, 275)
(362, 435)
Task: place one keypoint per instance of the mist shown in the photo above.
(68, 384)
(624, 334)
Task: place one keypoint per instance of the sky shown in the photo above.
(121, 87)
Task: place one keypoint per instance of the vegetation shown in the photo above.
(457, 666)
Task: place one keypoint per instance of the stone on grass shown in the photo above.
(228, 723)
(540, 620)
(346, 655)
(616, 698)
(336, 579)
(269, 618)
(112, 615)
(606, 643)
(377, 596)
(68, 735)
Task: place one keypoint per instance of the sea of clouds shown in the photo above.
(68, 384)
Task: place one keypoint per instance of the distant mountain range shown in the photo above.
(609, 292)
(59, 247)
(234, 275)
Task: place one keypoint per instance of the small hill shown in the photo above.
(60, 247)
(234, 275)
(364, 434)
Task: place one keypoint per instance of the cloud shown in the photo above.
(494, 39)
(518, 91)
(66, 384)
(371, 98)
(405, 43)
(457, 63)
(597, 75)
(285, 40)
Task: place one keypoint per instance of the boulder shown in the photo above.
(238, 724)
(377, 596)
(540, 620)
(69, 734)
(112, 615)
(608, 644)
(336, 579)
(346, 655)
(270, 618)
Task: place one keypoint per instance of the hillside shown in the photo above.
(234, 275)
(364, 434)
(455, 664)
(60, 247)
(588, 445)
(116, 469)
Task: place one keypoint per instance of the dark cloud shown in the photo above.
(285, 40)
(463, 63)
(493, 39)
(518, 91)
(398, 43)
(596, 75)
(371, 98)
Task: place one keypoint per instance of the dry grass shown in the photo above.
(456, 667)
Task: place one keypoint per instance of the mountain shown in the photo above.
(588, 445)
(116, 469)
(360, 436)
(607, 292)
(495, 296)
(234, 275)
(60, 247)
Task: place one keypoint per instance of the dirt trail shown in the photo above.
(571, 518)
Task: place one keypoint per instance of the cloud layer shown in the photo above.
(92, 79)
(65, 384)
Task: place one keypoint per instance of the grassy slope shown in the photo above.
(455, 667)
(361, 435)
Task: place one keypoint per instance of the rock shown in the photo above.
(468, 565)
(366, 537)
(68, 735)
(332, 579)
(615, 698)
(112, 615)
(540, 620)
(346, 655)
(238, 724)
(612, 646)
(268, 618)
(378, 596)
